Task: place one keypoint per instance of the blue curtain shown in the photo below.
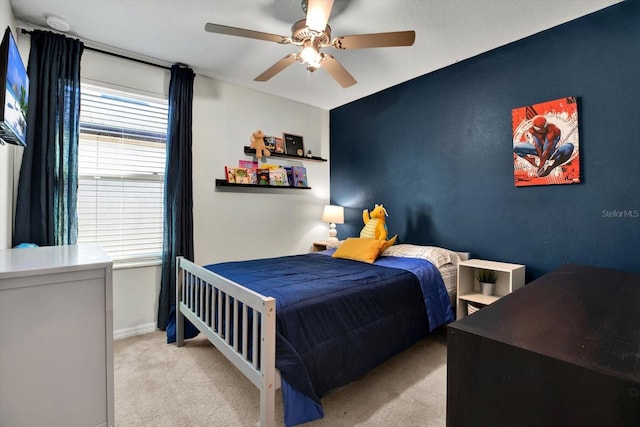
(178, 188)
(47, 190)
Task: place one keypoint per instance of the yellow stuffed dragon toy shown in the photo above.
(375, 225)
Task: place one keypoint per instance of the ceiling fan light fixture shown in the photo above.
(311, 56)
(311, 35)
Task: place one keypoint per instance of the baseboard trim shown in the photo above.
(132, 332)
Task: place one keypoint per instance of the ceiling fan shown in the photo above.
(311, 35)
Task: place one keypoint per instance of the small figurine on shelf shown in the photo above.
(257, 143)
(309, 154)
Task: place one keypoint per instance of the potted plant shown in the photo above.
(487, 280)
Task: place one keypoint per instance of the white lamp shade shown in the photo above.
(333, 214)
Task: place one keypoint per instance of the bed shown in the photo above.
(339, 315)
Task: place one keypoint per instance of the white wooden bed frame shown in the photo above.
(196, 288)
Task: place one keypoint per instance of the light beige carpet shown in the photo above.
(158, 384)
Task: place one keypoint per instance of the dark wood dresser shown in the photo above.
(562, 351)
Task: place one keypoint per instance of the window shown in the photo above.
(121, 161)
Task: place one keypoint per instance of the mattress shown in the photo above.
(449, 273)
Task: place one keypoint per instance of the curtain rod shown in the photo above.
(117, 55)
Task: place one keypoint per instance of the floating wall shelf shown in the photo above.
(252, 152)
(224, 183)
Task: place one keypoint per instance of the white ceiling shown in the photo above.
(169, 31)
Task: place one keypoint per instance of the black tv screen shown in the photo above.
(14, 95)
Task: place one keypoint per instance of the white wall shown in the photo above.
(6, 154)
(135, 300)
(264, 222)
(227, 225)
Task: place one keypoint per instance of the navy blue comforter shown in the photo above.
(338, 319)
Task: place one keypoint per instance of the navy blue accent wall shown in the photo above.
(437, 151)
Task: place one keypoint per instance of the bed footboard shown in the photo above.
(237, 321)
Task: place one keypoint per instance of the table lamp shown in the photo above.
(333, 215)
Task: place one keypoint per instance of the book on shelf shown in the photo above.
(279, 145)
(278, 176)
(289, 175)
(269, 166)
(270, 143)
(299, 176)
(253, 175)
(262, 176)
(230, 174)
(242, 176)
(248, 164)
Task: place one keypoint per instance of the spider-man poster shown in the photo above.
(545, 143)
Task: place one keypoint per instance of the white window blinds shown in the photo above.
(121, 161)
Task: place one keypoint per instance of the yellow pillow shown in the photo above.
(360, 249)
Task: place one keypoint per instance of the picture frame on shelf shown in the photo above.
(293, 144)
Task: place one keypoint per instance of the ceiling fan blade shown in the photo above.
(318, 12)
(277, 67)
(337, 71)
(241, 32)
(360, 41)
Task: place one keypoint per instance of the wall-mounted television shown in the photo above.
(14, 93)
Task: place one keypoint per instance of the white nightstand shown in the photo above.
(319, 246)
(510, 278)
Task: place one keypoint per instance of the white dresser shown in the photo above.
(56, 337)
